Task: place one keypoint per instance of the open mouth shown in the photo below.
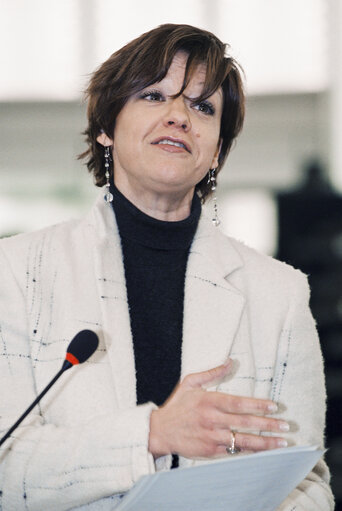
(171, 142)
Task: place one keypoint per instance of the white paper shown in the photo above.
(254, 482)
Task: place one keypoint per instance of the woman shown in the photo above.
(170, 297)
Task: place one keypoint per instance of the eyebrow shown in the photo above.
(217, 90)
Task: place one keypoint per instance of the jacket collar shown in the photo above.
(212, 305)
(112, 295)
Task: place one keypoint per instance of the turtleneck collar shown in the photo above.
(150, 232)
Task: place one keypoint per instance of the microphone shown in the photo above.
(79, 350)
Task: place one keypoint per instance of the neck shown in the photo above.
(170, 207)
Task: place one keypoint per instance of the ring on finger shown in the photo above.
(232, 448)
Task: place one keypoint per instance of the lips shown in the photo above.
(176, 142)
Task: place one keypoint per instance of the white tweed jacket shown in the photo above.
(88, 440)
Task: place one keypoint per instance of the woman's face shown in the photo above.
(167, 145)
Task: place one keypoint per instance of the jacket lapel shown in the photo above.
(112, 296)
(213, 306)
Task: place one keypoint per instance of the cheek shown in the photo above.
(208, 148)
(124, 137)
(208, 139)
(127, 123)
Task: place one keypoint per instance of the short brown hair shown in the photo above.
(146, 60)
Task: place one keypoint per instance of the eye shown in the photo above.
(205, 107)
(152, 95)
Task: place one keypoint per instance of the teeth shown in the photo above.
(170, 142)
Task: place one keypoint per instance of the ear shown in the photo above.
(215, 161)
(104, 140)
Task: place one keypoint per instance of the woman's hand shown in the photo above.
(196, 423)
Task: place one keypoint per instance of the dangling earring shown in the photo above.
(212, 181)
(108, 197)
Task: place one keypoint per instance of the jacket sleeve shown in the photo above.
(299, 388)
(44, 466)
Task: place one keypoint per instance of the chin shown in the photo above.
(174, 179)
(172, 185)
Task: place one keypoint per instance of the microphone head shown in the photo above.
(82, 347)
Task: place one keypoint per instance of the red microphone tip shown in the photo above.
(71, 358)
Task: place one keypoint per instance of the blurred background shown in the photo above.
(281, 189)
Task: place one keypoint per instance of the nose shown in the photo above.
(178, 115)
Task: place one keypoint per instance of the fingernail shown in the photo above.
(227, 362)
(282, 443)
(284, 426)
(272, 407)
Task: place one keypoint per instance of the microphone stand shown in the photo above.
(66, 365)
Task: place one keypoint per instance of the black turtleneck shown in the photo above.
(155, 257)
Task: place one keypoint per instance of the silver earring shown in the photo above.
(212, 181)
(108, 197)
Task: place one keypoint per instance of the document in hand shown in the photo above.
(253, 482)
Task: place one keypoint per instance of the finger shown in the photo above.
(248, 442)
(243, 405)
(249, 422)
(196, 380)
(221, 439)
